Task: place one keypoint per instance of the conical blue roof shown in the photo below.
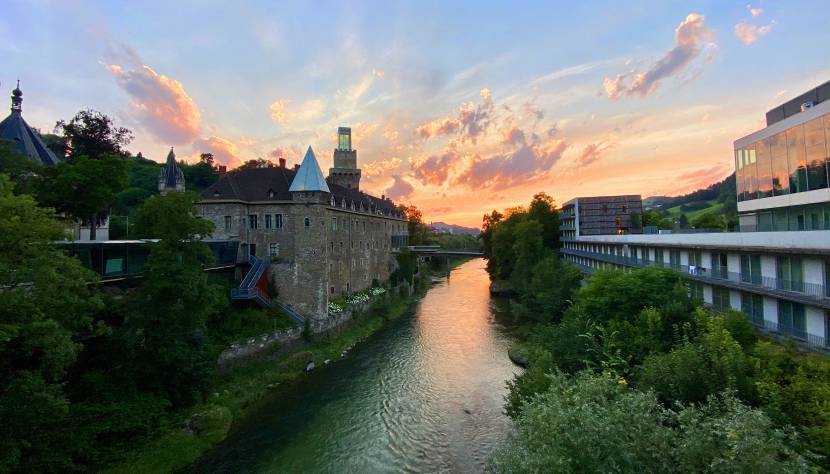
(309, 177)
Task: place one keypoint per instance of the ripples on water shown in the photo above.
(425, 394)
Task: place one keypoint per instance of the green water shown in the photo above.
(425, 394)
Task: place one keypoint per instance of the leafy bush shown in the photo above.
(595, 423)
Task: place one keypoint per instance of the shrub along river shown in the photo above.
(424, 394)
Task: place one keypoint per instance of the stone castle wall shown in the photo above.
(339, 252)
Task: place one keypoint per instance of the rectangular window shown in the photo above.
(333, 223)
(273, 249)
(751, 269)
(797, 159)
(719, 265)
(696, 290)
(790, 273)
(753, 306)
(695, 259)
(252, 221)
(720, 298)
(764, 168)
(827, 278)
(674, 259)
(278, 221)
(816, 151)
(228, 222)
(780, 166)
(658, 257)
(791, 319)
(267, 221)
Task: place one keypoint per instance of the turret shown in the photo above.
(345, 172)
(171, 177)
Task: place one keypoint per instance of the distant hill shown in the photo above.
(701, 208)
(655, 202)
(454, 229)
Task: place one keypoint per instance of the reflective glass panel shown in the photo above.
(797, 159)
(780, 168)
(814, 137)
(764, 169)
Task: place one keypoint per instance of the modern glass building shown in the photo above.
(777, 268)
(782, 171)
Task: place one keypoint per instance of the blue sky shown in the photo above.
(458, 107)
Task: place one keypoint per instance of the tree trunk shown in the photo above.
(92, 224)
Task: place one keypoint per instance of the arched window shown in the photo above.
(307, 222)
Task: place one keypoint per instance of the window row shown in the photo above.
(809, 217)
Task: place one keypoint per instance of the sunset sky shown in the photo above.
(459, 108)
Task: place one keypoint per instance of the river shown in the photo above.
(424, 394)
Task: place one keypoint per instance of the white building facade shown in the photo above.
(777, 268)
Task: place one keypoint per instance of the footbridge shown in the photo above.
(437, 251)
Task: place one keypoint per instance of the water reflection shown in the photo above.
(423, 395)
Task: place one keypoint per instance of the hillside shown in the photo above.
(454, 229)
(714, 206)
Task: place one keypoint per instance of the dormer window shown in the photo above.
(333, 202)
(271, 194)
(215, 194)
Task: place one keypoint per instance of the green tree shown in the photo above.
(594, 423)
(46, 303)
(165, 334)
(528, 250)
(699, 369)
(488, 225)
(18, 167)
(542, 209)
(92, 134)
(84, 188)
(415, 224)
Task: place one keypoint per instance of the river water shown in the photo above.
(424, 394)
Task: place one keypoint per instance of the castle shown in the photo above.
(323, 236)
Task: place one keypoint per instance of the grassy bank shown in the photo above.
(189, 433)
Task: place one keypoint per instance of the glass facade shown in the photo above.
(807, 217)
(793, 161)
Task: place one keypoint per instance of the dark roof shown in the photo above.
(17, 131)
(263, 184)
(171, 172)
(793, 106)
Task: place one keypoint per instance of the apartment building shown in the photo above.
(777, 268)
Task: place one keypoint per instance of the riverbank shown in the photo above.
(423, 394)
(190, 433)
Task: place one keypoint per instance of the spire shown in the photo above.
(309, 177)
(17, 98)
(171, 177)
(171, 159)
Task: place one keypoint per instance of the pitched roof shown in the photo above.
(171, 172)
(28, 142)
(264, 184)
(309, 177)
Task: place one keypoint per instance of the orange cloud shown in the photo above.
(400, 188)
(435, 169)
(472, 120)
(278, 111)
(593, 152)
(526, 163)
(159, 104)
(377, 168)
(689, 37)
(749, 34)
(224, 151)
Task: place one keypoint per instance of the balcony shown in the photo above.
(815, 294)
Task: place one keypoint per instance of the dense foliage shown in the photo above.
(629, 373)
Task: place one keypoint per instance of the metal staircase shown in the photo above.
(248, 290)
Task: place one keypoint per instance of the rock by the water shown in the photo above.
(311, 366)
(518, 355)
(501, 288)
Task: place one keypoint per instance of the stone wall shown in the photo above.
(339, 252)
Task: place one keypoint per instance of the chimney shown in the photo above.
(282, 162)
(382, 197)
(223, 170)
(296, 167)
